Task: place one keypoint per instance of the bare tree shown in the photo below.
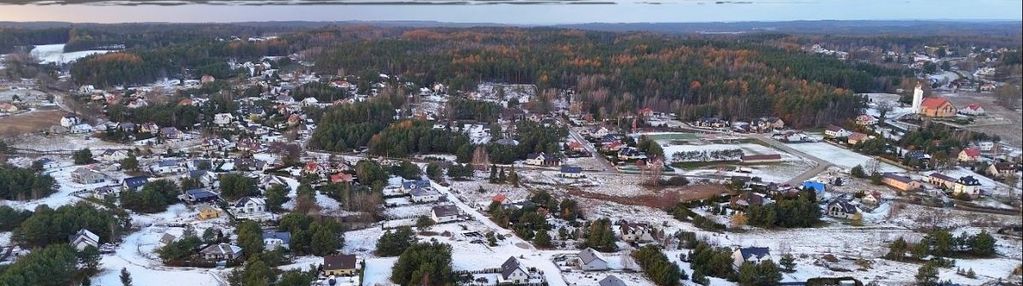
(883, 107)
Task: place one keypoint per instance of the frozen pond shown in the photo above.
(50, 54)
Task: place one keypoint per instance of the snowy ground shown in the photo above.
(841, 157)
(54, 53)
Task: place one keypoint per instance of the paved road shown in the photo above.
(820, 165)
(593, 150)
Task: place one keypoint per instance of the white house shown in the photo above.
(836, 132)
(750, 254)
(841, 209)
(87, 176)
(972, 109)
(635, 232)
(84, 238)
(276, 239)
(69, 120)
(513, 273)
(968, 185)
(81, 128)
(222, 119)
(249, 206)
(424, 195)
(221, 251)
(169, 166)
(591, 260)
(113, 155)
(444, 213)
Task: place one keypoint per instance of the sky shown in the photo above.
(625, 11)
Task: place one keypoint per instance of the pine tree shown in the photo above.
(125, 277)
(927, 275)
(502, 177)
(788, 263)
(493, 174)
(542, 239)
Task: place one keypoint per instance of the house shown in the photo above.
(200, 196)
(937, 107)
(167, 239)
(87, 176)
(69, 120)
(222, 119)
(969, 154)
(207, 79)
(444, 213)
(8, 108)
(134, 183)
(630, 154)
(150, 128)
(967, 185)
(84, 238)
(340, 265)
(408, 186)
(834, 131)
(208, 212)
(899, 182)
(1001, 169)
(170, 133)
(312, 167)
(871, 198)
(542, 159)
(167, 167)
(841, 208)
(750, 254)
(591, 260)
(856, 137)
(866, 120)
(611, 280)
(745, 200)
(986, 146)
(941, 180)
(424, 195)
(249, 205)
(221, 251)
(339, 178)
(633, 232)
(972, 109)
(569, 171)
(112, 155)
(81, 128)
(276, 239)
(765, 158)
(513, 273)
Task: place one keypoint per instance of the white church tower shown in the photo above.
(918, 98)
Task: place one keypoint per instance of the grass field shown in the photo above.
(12, 126)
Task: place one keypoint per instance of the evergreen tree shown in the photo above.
(542, 239)
(493, 174)
(83, 156)
(276, 196)
(250, 237)
(394, 243)
(131, 163)
(424, 223)
(125, 277)
(788, 263)
(927, 275)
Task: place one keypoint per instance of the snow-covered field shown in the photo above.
(48, 54)
(841, 157)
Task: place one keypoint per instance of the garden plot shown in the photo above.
(841, 157)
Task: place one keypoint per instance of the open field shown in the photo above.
(999, 120)
(28, 122)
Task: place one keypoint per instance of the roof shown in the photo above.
(418, 192)
(832, 127)
(571, 169)
(972, 151)
(898, 177)
(816, 186)
(751, 252)
(246, 200)
(222, 248)
(934, 102)
(611, 280)
(509, 266)
(445, 210)
(969, 181)
(500, 197)
(282, 235)
(942, 177)
(414, 184)
(974, 106)
(134, 182)
(85, 233)
(199, 193)
(589, 255)
(857, 136)
(340, 261)
(845, 205)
